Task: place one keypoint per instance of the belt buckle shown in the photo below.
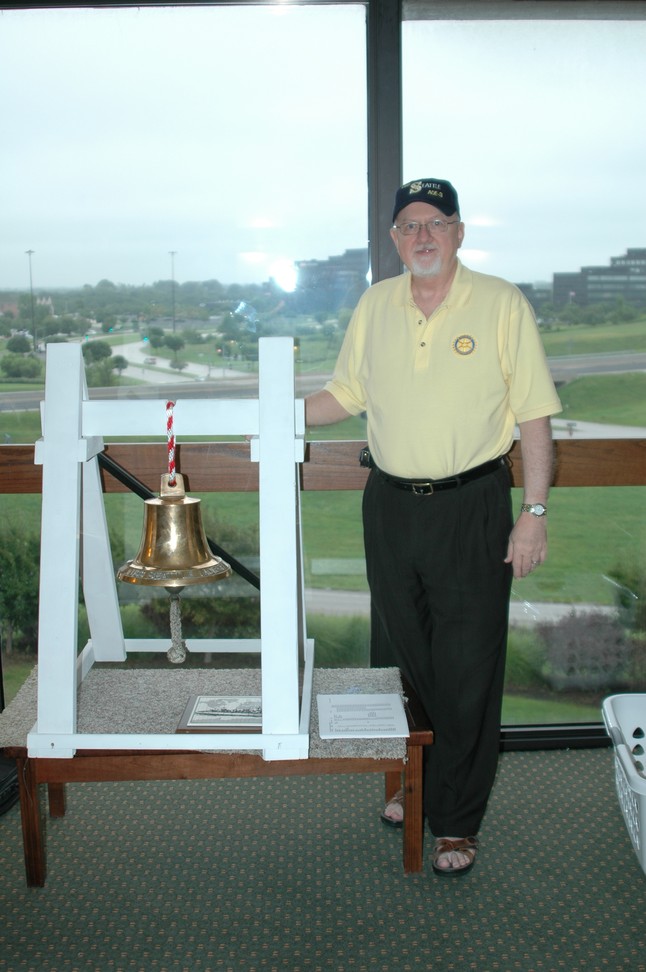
(422, 489)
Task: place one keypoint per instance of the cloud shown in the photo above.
(221, 132)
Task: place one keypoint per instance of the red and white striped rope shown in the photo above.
(170, 434)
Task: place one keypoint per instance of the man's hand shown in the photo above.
(527, 548)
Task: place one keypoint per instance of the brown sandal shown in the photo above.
(395, 801)
(446, 845)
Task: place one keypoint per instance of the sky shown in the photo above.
(540, 126)
(234, 139)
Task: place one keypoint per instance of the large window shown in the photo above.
(175, 182)
(178, 180)
(533, 121)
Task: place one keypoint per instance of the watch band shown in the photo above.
(536, 509)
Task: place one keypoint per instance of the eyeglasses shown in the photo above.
(436, 225)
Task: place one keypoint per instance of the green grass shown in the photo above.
(602, 339)
(592, 531)
(15, 671)
(609, 399)
(19, 427)
(20, 386)
(517, 710)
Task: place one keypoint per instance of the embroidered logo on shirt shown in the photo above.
(464, 344)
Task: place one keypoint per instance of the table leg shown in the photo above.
(413, 811)
(32, 826)
(56, 798)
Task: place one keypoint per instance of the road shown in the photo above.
(525, 613)
(568, 367)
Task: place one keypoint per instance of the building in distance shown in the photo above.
(624, 278)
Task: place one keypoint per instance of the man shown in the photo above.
(445, 362)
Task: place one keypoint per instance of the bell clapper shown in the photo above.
(177, 651)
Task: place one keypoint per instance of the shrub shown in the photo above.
(208, 617)
(584, 652)
(17, 366)
(636, 679)
(19, 344)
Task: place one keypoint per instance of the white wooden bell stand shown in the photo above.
(74, 533)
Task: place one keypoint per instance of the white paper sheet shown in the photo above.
(361, 716)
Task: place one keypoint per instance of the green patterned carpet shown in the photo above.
(299, 875)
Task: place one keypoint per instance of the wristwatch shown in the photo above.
(537, 509)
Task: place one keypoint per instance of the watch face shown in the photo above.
(538, 509)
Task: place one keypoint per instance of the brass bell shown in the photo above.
(174, 551)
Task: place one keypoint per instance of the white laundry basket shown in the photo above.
(625, 719)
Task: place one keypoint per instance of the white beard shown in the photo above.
(421, 267)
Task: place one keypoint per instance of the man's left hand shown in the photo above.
(527, 548)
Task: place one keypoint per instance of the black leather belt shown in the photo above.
(425, 487)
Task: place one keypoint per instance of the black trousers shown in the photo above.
(440, 589)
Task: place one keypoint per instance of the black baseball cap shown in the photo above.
(435, 192)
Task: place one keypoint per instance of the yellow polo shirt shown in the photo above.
(443, 394)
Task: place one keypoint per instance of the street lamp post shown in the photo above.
(172, 283)
(31, 294)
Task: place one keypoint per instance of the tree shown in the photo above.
(622, 312)
(119, 363)
(95, 351)
(230, 327)
(156, 337)
(108, 323)
(571, 314)
(100, 374)
(175, 343)
(19, 344)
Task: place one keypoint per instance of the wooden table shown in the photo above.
(113, 765)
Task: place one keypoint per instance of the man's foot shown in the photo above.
(393, 812)
(454, 855)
